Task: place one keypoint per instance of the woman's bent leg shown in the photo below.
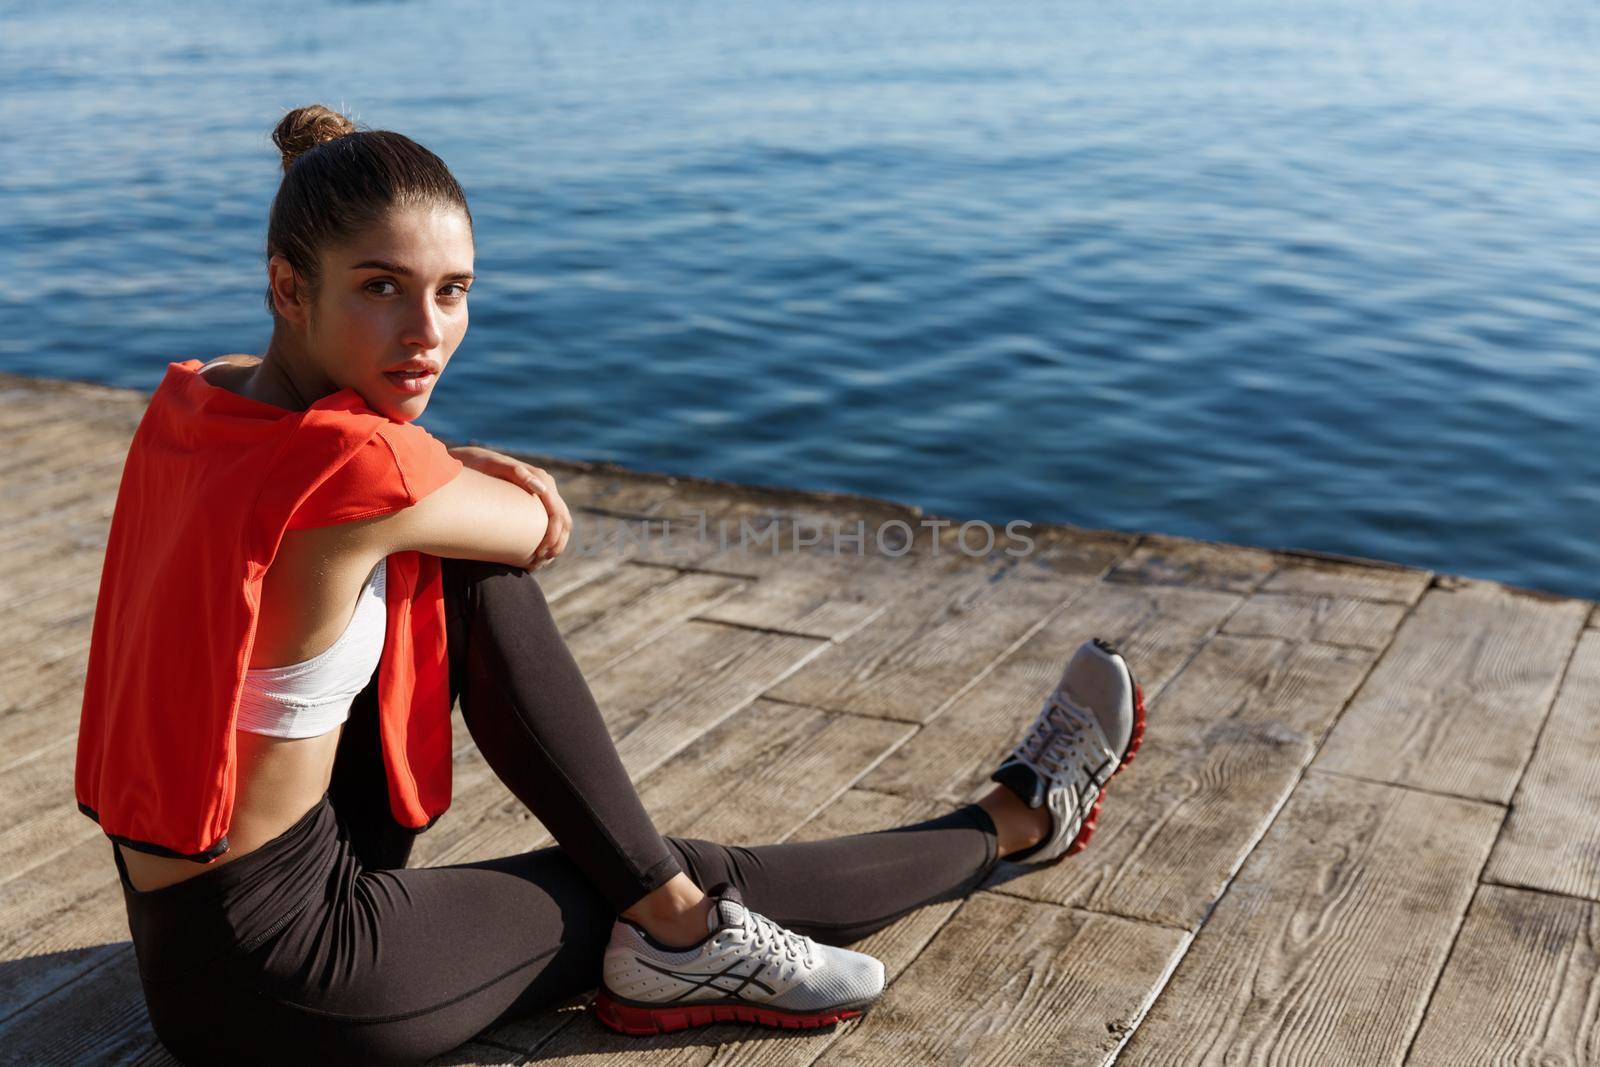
(531, 712)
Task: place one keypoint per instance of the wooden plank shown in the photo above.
(46, 719)
(42, 658)
(42, 390)
(592, 603)
(68, 606)
(1013, 981)
(911, 661)
(1520, 986)
(1161, 560)
(1227, 742)
(42, 448)
(100, 1018)
(852, 568)
(60, 922)
(1159, 629)
(674, 689)
(74, 543)
(92, 491)
(638, 609)
(32, 595)
(24, 407)
(1327, 945)
(1552, 839)
(1377, 581)
(755, 532)
(761, 773)
(53, 484)
(822, 596)
(38, 817)
(1456, 702)
(1337, 620)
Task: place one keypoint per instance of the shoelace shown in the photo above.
(1062, 739)
(768, 935)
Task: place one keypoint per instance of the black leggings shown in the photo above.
(322, 945)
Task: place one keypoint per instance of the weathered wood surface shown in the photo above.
(1523, 984)
(1552, 840)
(1361, 828)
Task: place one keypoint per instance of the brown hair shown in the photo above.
(337, 180)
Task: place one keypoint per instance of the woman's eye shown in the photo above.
(452, 291)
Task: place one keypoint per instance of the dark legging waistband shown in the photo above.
(237, 905)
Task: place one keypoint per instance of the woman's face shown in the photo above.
(392, 298)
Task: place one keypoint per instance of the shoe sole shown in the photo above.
(640, 1020)
(1081, 842)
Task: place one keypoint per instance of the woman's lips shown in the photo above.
(411, 381)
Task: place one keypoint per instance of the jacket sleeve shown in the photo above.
(397, 466)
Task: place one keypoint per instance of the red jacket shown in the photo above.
(211, 482)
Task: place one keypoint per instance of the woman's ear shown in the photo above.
(288, 294)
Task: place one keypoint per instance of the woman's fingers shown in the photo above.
(559, 528)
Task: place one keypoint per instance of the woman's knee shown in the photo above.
(471, 585)
(478, 594)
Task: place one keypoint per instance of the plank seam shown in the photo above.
(1001, 890)
(1409, 787)
(1500, 883)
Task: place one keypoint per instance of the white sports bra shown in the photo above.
(314, 696)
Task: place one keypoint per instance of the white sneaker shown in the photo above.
(1088, 730)
(746, 969)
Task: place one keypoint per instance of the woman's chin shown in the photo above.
(397, 405)
(395, 410)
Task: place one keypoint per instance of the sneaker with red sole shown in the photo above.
(1088, 730)
(746, 969)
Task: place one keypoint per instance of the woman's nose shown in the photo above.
(423, 327)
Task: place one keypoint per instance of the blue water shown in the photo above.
(1281, 273)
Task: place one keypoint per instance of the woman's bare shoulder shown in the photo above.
(236, 372)
(235, 359)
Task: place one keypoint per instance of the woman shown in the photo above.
(271, 909)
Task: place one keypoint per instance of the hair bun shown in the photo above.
(306, 127)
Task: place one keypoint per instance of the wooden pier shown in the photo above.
(1362, 828)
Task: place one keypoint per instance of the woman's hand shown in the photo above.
(535, 480)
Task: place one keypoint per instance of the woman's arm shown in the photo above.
(472, 516)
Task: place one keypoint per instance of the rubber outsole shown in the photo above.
(641, 1021)
(1081, 842)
